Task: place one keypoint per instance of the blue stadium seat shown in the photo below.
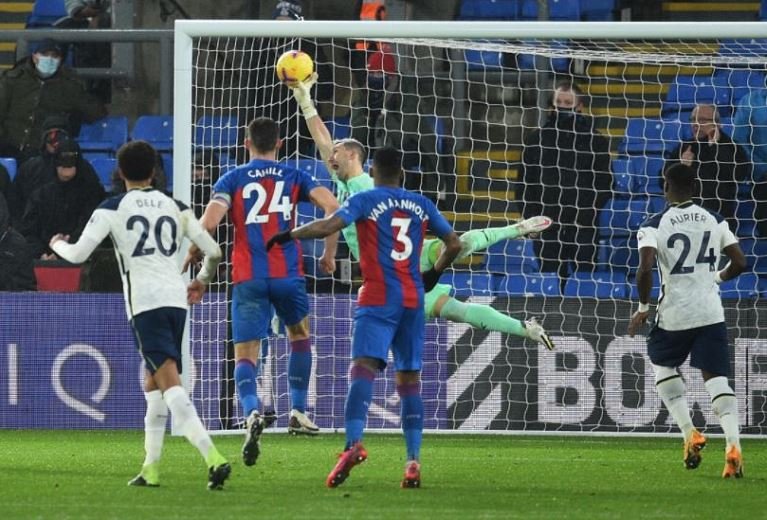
(221, 132)
(688, 91)
(316, 169)
(565, 10)
(598, 10)
(741, 81)
(618, 254)
(744, 286)
(555, 64)
(623, 179)
(753, 47)
(10, 165)
(601, 284)
(470, 284)
(157, 130)
(46, 12)
(654, 292)
(529, 285)
(339, 127)
(104, 167)
(105, 135)
(167, 168)
(483, 60)
(92, 156)
(511, 257)
(226, 162)
(622, 217)
(489, 10)
(759, 265)
(651, 136)
(647, 172)
(744, 214)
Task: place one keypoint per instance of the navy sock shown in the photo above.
(299, 371)
(245, 379)
(357, 403)
(411, 414)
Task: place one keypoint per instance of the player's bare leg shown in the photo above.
(299, 373)
(484, 317)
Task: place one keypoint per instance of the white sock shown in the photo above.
(154, 426)
(725, 406)
(673, 392)
(186, 420)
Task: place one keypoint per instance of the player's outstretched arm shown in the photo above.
(317, 229)
(315, 124)
(644, 285)
(94, 233)
(450, 250)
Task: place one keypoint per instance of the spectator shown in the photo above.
(39, 169)
(91, 14)
(62, 206)
(159, 179)
(750, 133)
(35, 88)
(719, 163)
(16, 271)
(205, 173)
(566, 174)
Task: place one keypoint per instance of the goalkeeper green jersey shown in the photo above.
(344, 189)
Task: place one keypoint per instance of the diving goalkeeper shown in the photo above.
(345, 159)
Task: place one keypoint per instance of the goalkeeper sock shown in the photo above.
(299, 372)
(411, 415)
(154, 426)
(481, 239)
(725, 407)
(673, 393)
(482, 317)
(187, 422)
(245, 379)
(357, 403)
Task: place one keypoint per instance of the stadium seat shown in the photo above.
(688, 91)
(600, 284)
(511, 257)
(105, 135)
(339, 127)
(618, 254)
(744, 214)
(470, 284)
(483, 60)
(10, 165)
(167, 168)
(753, 47)
(759, 265)
(654, 291)
(529, 285)
(622, 217)
(226, 162)
(651, 136)
(316, 169)
(741, 81)
(104, 167)
(553, 64)
(647, 172)
(220, 132)
(157, 130)
(565, 10)
(744, 286)
(46, 12)
(598, 10)
(623, 181)
(489, 10)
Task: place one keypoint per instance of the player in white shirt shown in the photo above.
(147, 228)
(687, 240)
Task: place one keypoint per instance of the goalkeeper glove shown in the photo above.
(279, 238)
(430, 279)
(303, 95)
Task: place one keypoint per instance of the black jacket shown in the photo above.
(60, 207)
(566, 170)
(720, 167)
(16, 271)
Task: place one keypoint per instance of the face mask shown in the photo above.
(47, 65)
(565, 112)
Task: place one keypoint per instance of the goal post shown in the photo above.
(461, 99)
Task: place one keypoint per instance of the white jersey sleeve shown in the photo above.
(202, 239)
(95, 231)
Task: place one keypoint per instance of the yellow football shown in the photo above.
(294, 67)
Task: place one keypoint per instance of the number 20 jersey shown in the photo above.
(261, 196)
(688, 240)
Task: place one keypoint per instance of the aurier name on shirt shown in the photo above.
(406, 204)
(687, 217)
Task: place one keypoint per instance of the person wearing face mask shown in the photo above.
(718, 161)
(62, 206)
(37, 87)
(566, 175)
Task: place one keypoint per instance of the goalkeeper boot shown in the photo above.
(536, 333)
(412, 477)
(217, 475)
(533, 225)
(149, 476)
(300, 424)
(346, 461)
(692, 448)
(733, 463)
(251, 449)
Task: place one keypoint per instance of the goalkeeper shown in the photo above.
(345, 158)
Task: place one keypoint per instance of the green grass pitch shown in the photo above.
(66, 474)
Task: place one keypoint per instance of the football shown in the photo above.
(294, 67)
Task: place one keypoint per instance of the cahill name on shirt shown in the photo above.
(406, 204)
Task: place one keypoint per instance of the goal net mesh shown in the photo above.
(474, 123)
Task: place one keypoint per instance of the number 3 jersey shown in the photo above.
(391, 225)
(261, 197)
(147, 228)
(688, 240)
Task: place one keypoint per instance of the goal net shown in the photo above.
(471, 110)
